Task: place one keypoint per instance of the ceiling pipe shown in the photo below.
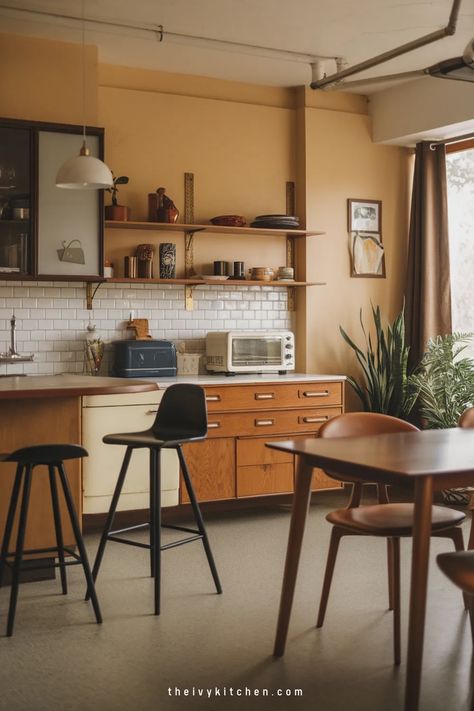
(450, 29)
(162, 36)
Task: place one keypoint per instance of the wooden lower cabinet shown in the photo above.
(233, 462)
(212, 467)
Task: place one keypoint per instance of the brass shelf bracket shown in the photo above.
(90, 293)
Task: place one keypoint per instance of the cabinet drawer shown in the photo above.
(254, 451)
(268, 422)
(273, 395)
(264, 479)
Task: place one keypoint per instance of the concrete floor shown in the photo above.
(59, 658)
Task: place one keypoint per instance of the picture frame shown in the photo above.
(367, 254)
(364, 215)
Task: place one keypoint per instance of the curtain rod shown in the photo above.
(445, 141)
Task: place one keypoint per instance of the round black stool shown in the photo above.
(52, 456)
(181, 418)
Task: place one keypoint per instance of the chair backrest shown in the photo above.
(467, 418)
(182, 413)
(360, 424)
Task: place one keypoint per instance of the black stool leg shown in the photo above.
(20, 541)
(110, 516)
(155, 474)
(58, 527)
(10, 518)
(152, 513)
(199, 519)
(79, 541)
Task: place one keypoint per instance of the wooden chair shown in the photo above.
(386, 520)
(459, 566)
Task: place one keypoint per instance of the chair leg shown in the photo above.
(396, 599)
(456, 535)
(10, 518)
(390, 570)
(20, 541)
(336, 535)
(58, 527)
(111, 515)
(153, 508)
(79, 541)
(155, 529)
(199, 520)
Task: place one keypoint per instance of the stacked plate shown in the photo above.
(277, 222)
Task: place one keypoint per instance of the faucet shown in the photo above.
(12, 355)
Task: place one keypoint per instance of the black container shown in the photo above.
(144, 359)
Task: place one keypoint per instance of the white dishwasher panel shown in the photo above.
(102, 466)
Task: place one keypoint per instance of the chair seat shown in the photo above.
(45, 454)
(391, 519)
(149, 438)
(459, 568)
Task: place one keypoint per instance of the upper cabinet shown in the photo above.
(47, 231)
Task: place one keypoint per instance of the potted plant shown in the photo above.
(385, 386)
(443, 386)
(443, 383)
(116, 211)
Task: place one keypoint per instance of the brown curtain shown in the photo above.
(428, 292)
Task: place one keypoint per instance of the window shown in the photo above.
(460, 179)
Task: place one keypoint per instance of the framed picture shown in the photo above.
(367, 254)
(364, 215)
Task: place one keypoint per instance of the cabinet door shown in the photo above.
(211, 465)
(16, 201)
(69, 221)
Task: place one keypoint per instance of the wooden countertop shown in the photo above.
(13, 387)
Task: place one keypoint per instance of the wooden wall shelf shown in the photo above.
(216, 229)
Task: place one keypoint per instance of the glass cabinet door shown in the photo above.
(16, 201)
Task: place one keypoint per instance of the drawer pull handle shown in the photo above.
(310, 420)
(264, 396)
(264, 423)
(315, 393)
(213, 425)
(213, 398)
(152, 412)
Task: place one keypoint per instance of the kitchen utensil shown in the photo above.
(262, 273)
(239, 270)
(221, 268)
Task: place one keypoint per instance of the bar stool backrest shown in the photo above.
(467, 418)
(182, 414)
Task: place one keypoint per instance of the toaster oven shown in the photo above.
(250, 352)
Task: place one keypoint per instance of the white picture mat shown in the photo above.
(65, 215)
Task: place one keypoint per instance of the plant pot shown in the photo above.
(117, 212)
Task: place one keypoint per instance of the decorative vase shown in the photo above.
(145, 253)
(161, 208)
(167, 260)
(117, 212)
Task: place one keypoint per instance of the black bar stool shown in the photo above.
(181, 418)
(52, 456)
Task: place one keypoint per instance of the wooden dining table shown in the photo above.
(429, 460)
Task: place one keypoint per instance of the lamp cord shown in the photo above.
(83, 71)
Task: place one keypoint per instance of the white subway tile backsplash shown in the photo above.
(52, 317)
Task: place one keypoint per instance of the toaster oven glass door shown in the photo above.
(256, 351)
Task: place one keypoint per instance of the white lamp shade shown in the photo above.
(84, 172)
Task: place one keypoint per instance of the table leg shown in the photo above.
(299, 513)
(419, 580)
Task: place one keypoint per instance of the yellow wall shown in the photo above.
(242, 143)
(342, 162)
(41, 80)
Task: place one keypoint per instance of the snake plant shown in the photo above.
(383, 360)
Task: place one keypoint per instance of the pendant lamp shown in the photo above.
(84, 172)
